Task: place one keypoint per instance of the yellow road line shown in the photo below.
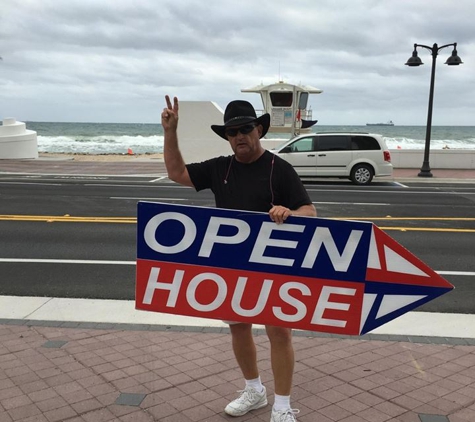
(68, 218)
(133, 220)
(427, 229)
(407, 218)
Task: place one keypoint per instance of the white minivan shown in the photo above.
(356, 156)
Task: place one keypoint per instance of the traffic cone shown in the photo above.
(130, 152)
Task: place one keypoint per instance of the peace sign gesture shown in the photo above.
(170, 114)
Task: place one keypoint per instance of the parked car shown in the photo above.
(356, 156)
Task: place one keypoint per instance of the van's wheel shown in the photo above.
(362, 174)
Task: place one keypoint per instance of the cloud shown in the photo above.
(114, 60)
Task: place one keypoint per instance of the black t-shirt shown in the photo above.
(256, 186)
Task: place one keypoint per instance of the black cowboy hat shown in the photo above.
(240, 113)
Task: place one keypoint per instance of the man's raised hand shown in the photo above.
(170, 114)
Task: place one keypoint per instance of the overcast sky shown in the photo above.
(114, 60)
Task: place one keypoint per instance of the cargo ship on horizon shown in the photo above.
(390, 123)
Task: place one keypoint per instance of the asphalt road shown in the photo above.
(75, 236)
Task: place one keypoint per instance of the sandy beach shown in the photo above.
(102, 157)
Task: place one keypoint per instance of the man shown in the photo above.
(252, 179)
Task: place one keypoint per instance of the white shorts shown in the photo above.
(232, 322)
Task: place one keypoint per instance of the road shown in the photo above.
(75, 236)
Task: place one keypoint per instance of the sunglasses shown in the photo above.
(242, 129)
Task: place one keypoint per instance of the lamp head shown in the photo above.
(414, 60)
(454, 59)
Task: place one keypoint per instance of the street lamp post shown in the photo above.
(414, 60)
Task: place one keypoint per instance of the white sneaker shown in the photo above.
(249, 399)
(287, 415)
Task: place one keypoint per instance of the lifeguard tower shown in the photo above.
(287, 105)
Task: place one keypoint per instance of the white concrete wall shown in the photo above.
(413, 158)
(438, 158)
(196, 139)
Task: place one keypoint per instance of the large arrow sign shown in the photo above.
(343, 277)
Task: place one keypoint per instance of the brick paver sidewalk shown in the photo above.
(55, 373)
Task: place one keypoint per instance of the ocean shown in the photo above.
(120, 138)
